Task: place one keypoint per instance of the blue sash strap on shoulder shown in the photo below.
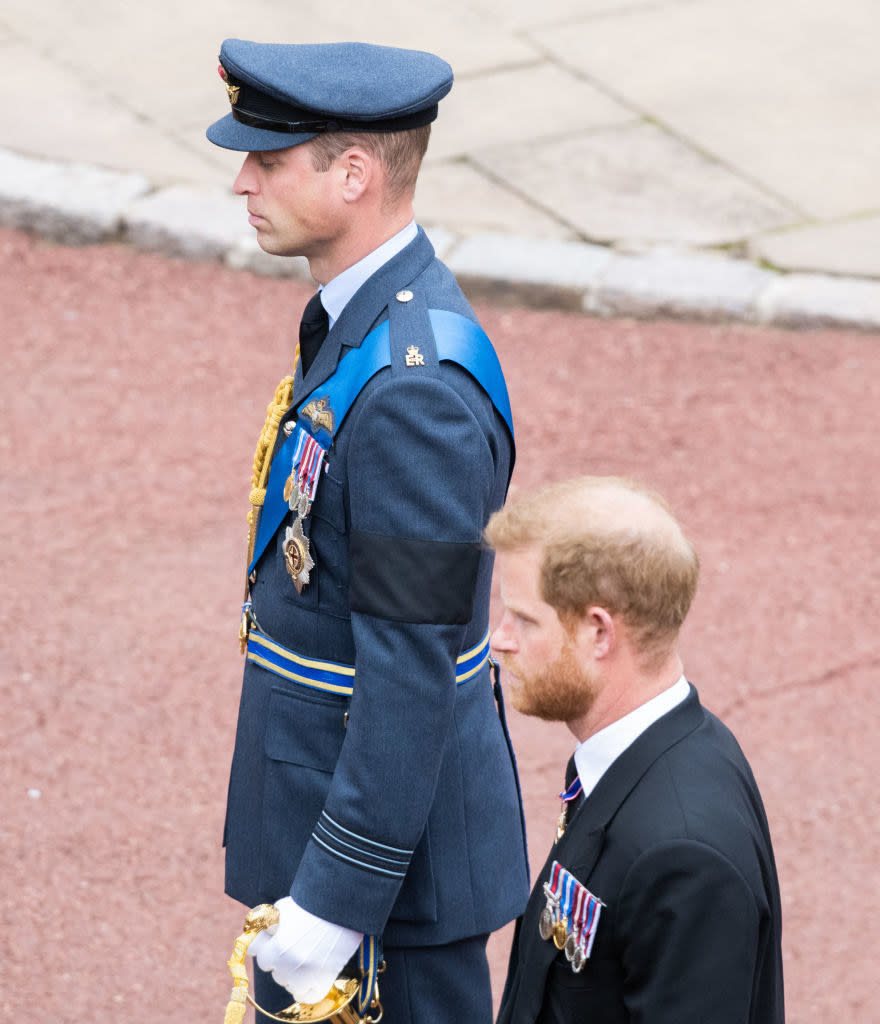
(459, 340)
(462, 341)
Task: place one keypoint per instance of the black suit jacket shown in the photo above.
(674, 841)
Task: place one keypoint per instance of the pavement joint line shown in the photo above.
(77, 203)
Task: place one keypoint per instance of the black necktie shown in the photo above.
(312, 331)
(570, 771)
(570, 776)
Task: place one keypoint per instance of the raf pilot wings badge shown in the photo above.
(319, 414)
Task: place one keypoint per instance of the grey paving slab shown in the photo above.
(77, 120)
(465, 200)
(850, 248)
(525, 15)
(635, 184)
(516, 105)
(785, 92)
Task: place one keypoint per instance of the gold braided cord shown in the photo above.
(262, 456)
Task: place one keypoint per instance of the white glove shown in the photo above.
(304, 953)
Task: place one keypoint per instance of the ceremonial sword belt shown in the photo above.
(335, 677)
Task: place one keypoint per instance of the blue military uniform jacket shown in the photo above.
(674, 841)
(395, 810)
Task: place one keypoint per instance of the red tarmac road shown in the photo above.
(133, 391)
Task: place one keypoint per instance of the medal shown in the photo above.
(578, 959)
(297, 558)
(305, 470)
(550, 914)
(590, 915)
(572, 793)
(567, 888)
(571, 943)
(570, 916)
(300, 488)
(560, 934)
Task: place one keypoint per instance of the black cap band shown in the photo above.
(388, 124)
(257, 109)
(270, 125)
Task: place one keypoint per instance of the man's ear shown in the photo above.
(601, 630)
(358, 169)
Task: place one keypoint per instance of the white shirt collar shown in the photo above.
(336, 293)
(597, 753)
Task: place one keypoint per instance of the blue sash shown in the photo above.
(458, 339)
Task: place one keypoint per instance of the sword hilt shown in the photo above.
(337, 1006)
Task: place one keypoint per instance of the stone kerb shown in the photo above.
(80, 204)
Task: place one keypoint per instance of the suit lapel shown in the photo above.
(624, 774)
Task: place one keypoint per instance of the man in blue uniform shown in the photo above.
(373, 795)
(659, 900)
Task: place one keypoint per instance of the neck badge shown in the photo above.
(572, 793)
(570, 916)
(299, 492)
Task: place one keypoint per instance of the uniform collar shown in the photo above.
(595, 755)
(336, 294)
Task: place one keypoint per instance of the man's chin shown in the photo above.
(273, 247)
(559, 693)
(266, 243)
(523, 702)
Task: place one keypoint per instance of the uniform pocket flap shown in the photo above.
(305, 730)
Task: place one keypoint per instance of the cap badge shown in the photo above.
(414, 357)
(232, 91)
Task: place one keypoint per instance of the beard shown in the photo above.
(561, 692)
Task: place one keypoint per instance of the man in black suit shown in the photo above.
(659, 901)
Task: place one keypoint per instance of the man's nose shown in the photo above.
(503, 639)
(245, 183)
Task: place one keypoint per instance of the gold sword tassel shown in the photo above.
(260, 475)
(257, 919)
